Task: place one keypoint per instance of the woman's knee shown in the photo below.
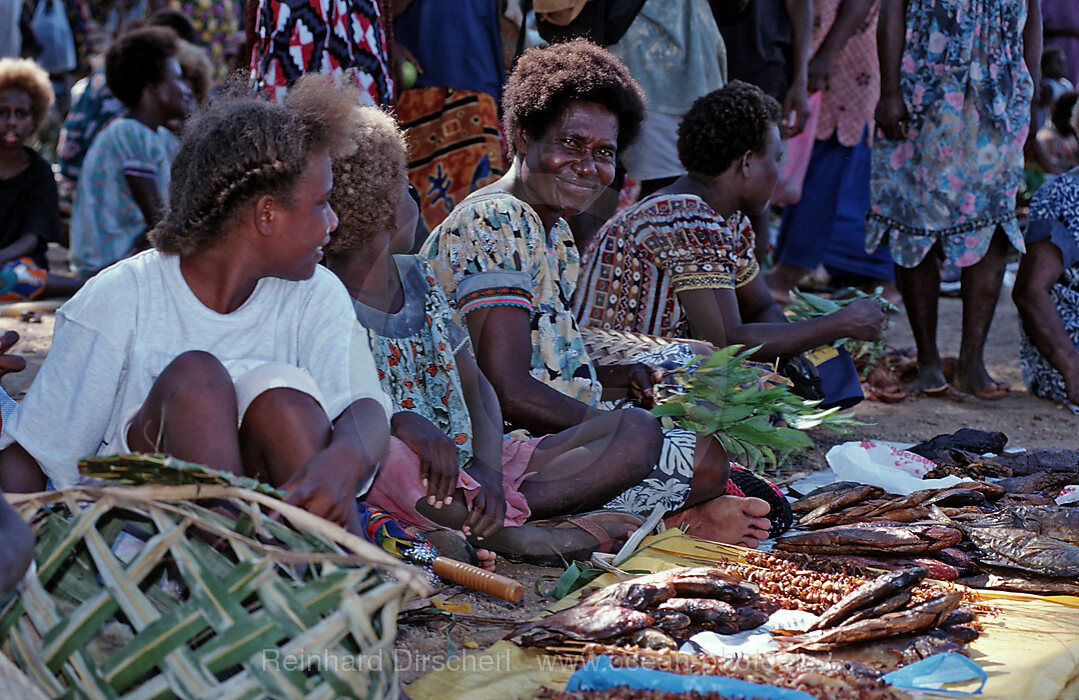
(639, 434)
(195, 371)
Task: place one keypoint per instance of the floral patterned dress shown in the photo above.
(492, 250)
(414, 351)
(955, 176)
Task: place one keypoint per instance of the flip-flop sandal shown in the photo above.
(744, 483)
(992, 392)
(583, 521)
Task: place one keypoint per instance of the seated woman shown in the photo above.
(447, 464)
(506, 260)
(122, 182)
(1058, 136)
(680, 262)
(1046, 291)
(234, 348)
(29, 206)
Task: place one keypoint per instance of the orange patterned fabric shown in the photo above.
(454, 146)
(854, 84)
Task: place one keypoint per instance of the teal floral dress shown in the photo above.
(955, 176)
(414, 351)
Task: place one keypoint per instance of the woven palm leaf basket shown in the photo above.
(201, 591)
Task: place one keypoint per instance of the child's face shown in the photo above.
(300, 231)
(405, 217)
(173, 93)
(16, 118)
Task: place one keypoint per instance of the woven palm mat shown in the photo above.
(127, 597)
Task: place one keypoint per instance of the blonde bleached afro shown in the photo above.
(368, 184)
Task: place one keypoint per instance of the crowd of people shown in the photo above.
(366, 266)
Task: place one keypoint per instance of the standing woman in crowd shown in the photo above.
(956, 89)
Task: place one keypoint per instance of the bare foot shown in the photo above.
(727, 519)
(930, 380)
(487, 559)
(979, 383)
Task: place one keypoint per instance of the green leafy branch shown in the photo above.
(805, 306)
(729, 396)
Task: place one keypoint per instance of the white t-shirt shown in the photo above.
(113, 339)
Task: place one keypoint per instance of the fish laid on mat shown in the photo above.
(923, 616)
(1043, 540)
(870, 594)
(586, 623)
(875, 538)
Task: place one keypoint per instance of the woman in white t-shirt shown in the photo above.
(227, 344)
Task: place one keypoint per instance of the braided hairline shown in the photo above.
(222, 204)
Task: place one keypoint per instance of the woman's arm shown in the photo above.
(502, 337)
(148, 197)
(848, 18)
(326, 485)
(891, 115)
(23, 245)
(1039, 270)
(749, 316)
(489, 508)
(800, 13)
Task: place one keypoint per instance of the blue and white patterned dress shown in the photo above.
(1054, 215)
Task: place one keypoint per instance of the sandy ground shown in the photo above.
(427, 637)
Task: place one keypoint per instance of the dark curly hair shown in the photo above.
(368, 184)
(1064, 112)
(723, 125)
(242, 147)
(547, 78)
(138, 59)
(25, 75)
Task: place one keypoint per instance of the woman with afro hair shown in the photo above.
(507, 261)
(234, 348)
(680, 263)
(29, 206)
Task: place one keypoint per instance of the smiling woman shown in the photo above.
(507, 261)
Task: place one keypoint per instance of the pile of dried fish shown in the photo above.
(846, 502)
(882, 609)
(1043, 540)
(836, 680)
(873, 538)
(656, 611)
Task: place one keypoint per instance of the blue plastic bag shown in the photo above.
(599, 674)
(933, 672)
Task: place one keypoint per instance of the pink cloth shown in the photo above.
(399, 486)
(854, 84)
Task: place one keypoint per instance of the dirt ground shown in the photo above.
(428, 637)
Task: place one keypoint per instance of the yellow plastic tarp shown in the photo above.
(1029, 646)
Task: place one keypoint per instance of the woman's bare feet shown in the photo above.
(727, 519)
(487, 559)
(976, 381)
(930, 380)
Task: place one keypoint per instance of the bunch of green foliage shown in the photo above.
(729, 396)
(805, 306)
